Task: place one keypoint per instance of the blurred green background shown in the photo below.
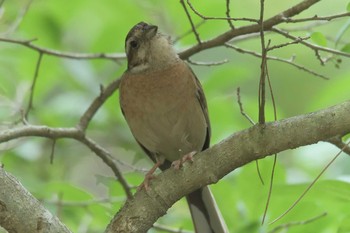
(76, 185)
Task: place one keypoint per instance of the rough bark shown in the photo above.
(20, 212)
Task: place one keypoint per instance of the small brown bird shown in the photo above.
(165, 108)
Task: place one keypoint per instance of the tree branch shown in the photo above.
(263, 66)
(74, 133)
(337, 141)
(314, 47)
(32, 88)
(218, 18)
(318, 18)
(191, 22)
(57, 53)
(288, 61)
(21, 212)
(254, 28)
(257, 142)
(105, 93)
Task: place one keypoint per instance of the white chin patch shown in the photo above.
(139, 68)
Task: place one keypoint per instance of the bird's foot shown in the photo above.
(145, 183)
(177, 164)
(149, 176)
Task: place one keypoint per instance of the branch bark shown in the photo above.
(20, 212)
(259, 141)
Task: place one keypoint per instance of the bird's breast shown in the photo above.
(162, 110)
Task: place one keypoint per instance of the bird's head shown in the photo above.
(146, 48)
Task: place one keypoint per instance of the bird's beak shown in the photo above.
(150, 31)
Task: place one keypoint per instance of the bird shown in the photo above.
(165, 108)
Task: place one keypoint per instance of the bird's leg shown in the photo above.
(149, 176)
(177, 164)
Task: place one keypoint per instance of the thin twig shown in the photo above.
(307, 27)
(194, 30)
(249, 29)
(32, 88)
(73, 133)
(247, 37)
(297, 41)
(311, 46)
(338, 142)
(228, 14)
(275, 156)
(291, 224)
(288, 61)
(22, 12)
(253, 123)
(107, 159)
(272, 95)
(218, 18)
(52, 154)
(217, 63)
(259, 172)
(263, 66)
(316, 18)
(310, 185)
(168, 229)
(269, 194)
(190, 31)
(241, 107)
(105, 93)
(57, 53)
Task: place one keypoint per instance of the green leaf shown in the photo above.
(348, 7)
(319, 38)
(346, 48)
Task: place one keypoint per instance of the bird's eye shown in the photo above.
(134, 44)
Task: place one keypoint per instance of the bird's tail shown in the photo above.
(205, 213)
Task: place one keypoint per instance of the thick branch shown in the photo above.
(257, 142)
(20, 212)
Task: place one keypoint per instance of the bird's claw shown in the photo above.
(177, 164)
(146, 182)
